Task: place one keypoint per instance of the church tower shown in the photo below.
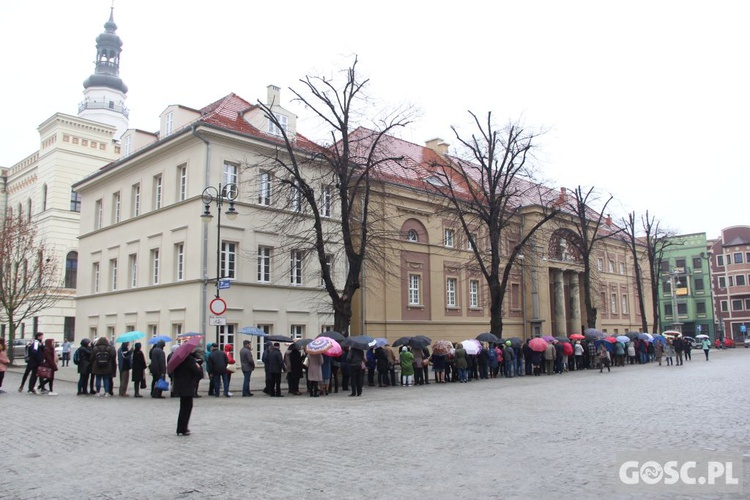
(104, 91)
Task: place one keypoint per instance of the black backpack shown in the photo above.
(102, 359)
(77, 356)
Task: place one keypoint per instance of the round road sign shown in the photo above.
(218, 306)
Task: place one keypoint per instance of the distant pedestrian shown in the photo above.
(688, 347)
(217, 370)
(294, 369)
(679, 348)
(549, 358)
(4, 362)
(247, 363)
(35, 358)
(275, 362)
(82, 358)
(50, 361)
(103, 359)
(407, 368)
(462, 364)
(669, 352)
(183, 387)
(631, 352)
(158, 367)
(706, 345)
(138, 370)
(604, 359)
(125, 362)
(357, 370)
(578, 355)
(314, 373)
(66, 352)
(659, 352)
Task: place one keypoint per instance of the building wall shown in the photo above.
(730, 269)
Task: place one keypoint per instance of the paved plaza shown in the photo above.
(528, 437)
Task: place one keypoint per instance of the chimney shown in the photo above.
(563, 196)
(274, 96)
(438, 146)
(608, 220)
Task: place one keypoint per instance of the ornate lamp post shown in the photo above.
(219, 195)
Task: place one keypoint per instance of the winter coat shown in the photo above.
(460, 356)
(50, 356)
(274, 361)
(246, 360)
(217, 362)
(124, 359)
(184, 377)
(549, 353)
(102, 345)
(84, 359)
(158, 364)
(295, 368)
(315, 367)
(138, 371)
(407, 363)
(381, 359)
(4, 361)
(355, 357)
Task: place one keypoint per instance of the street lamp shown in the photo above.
(219, 195)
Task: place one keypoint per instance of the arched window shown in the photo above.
(71, 270)
(44, 198)
(411, 235)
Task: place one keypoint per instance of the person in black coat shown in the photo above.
(138, 372)
(275, 364)
(84, 366)
(183, 387)
(295, 371)
(217, 370)
(158, 367)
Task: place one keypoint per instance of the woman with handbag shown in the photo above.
(184, 377)
(47, 369)
(231, 363)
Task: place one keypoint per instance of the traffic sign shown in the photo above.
(224, 284)
(217, 320)
(218, 306)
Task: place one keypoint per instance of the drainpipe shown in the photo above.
(204, 253)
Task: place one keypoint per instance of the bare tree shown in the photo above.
(488, 188)
(589, 227)
(28, 277)
(346, 167)
(657, 240)
(636, 247)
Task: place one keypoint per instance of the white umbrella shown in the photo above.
(472, 346)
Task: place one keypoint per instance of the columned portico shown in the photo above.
(559, 291)
(575, 303)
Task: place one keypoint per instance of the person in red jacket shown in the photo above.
(50, 359)
(231, 365)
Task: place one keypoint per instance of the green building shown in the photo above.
(685, 270)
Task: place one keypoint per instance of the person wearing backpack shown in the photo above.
(103, 358)
(124, 361)
(82, 358)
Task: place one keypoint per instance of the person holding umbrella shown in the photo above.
(125, 362)
(185, 371)
(138, 370)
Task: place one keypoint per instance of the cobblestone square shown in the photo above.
(526, 437)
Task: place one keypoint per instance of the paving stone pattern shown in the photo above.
(527, 437)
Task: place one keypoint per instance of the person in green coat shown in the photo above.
(407, 367)
(462, 364)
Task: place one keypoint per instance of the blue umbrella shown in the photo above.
(380, 342)
(252, 330)
(607, 345)
(660, 338)
(130, 336)
(156, 339)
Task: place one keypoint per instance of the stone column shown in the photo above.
(559, 290)
(575, 304)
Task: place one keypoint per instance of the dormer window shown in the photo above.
(169, 123)
(283, 121)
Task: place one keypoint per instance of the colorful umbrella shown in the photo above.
(472, 346)
(538, 344)
(646, 336)
(548, 338)
(335, 351)
(701, 336)
(672, 333)
(611, 340)
(182, 352)
(301, 343)
(607, 345)
(319, 345)
(130, 336)
(442, 347)
(577, 336)
(568, 349)
(155, 340)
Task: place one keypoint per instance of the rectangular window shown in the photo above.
(230, 174)
(613, 303)
(155, 266)
(450, 292)
(136, 196)
(113, 274)
(720, 260)
(622, 268)
(747, 304)
(724, 306)
(295, 197)
(668, 310)
(283, 122)
(679, 264)
(296, 267)
(226, 334)
(699, 286)
(624, 304)
(297, 331)
(697, 264)
(98, 214)
(260, 343)
(738, 258)
(264, 264)
(325, 205)
(700, 307)
(157, 191)
(414, 289)
(264, 188)
(182, 183)
(168, 123)
(722, 282)
(176, 329)
(611, 267)
(739, 280)
(228, 260)
(515, 296)
(473, 293)
(95, 277)
(471, 241)
(736, 304)
(664, 266)
(75, 201)
(127, 146)
(179, 260)
(152, 331)
(69, 328)
(747, 256)
(600, 265)
(450, 238)
(133, 269)
(116, 208)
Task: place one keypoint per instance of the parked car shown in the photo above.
(747, 342)
(19, 350)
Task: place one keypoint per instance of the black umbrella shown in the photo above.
(515, 341)
(594, 334)
(278, 338)
(487, 337)
(420, 342)
(358, 342)
(299, 344)
(338, 337)
(401, 341)
(562, 339)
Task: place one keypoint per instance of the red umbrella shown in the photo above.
(611, 340)
(182, 352)
(577, 336)
(538, 344)
(568, 349)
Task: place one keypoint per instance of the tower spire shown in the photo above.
(104, 91)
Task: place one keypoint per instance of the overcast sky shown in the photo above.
(646, 100)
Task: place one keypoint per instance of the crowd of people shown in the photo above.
(99, 363)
